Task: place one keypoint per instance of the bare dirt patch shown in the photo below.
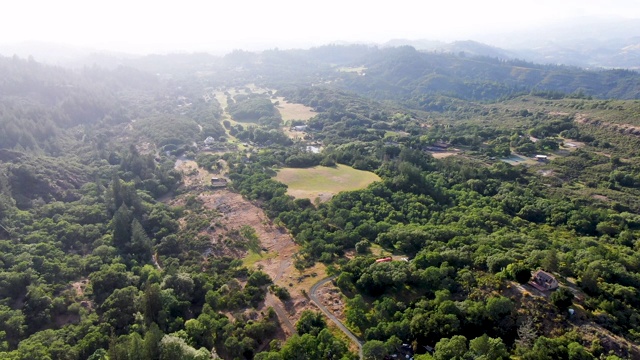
(331, 297)
(79, 286)
(237, 212)
(601, 197)
(443, 154)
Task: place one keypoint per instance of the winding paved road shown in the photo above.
(333, 318)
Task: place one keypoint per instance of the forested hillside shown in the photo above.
(117, 244)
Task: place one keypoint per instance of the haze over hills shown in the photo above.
(193, 206)
(584, 42)
(588, 42)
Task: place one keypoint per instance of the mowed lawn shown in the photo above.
(324, 182)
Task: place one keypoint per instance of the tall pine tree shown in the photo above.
(121, 224)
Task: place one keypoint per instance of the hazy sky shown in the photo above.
(141, 25)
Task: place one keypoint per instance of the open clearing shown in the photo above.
(323, 182)
(517, 159)
(196, 176)
(293, 134)
(358, 70)
(290, 111)
(443, 154)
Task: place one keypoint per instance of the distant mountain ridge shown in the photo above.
(584, 42)
(464, 47)
(395, 72)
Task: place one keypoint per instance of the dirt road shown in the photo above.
(271, 300)
(314, 297)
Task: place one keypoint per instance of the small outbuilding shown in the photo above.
(218, 182)
(542, 157)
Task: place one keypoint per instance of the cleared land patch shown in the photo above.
(443, 154)
(291, 111)
(324, 182)
(359, 70)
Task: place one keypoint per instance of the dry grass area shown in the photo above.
(443, 154)
(358, 70)
(300, 283)
(628, 129)
(194, 176)
(321, 182)
(292, 134)
(291, 111)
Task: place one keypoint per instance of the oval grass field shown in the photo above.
(324, 182)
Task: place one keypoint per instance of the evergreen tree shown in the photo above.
(121, 225)
(152, 340)
(140, 247)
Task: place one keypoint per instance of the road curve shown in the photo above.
(332, 317)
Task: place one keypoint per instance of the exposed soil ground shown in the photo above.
(237, 212)
(277, 245)
(331, 297)
(79, 287)
(627, 129)
(601, 197)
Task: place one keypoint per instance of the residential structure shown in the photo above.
(543, 281)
